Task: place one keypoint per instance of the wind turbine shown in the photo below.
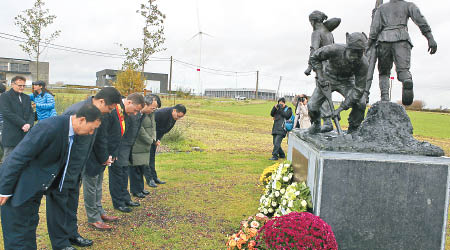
(199, 34)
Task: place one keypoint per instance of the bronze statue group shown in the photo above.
(60, 153)
(348, 68)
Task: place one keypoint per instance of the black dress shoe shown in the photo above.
(81, 242)
(69, 248)
(139, 195)
(152, 183)
(282, 156)
(145, 192)
(158, 181)
(124, 209)
(273, 158)
(132, 204)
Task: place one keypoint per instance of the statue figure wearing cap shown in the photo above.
(320, 37)
(389, 31)
(343, 68)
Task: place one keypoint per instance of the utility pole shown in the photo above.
(278, 89)
(170, 75)
(257, 82)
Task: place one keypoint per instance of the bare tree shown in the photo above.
(32, 23)
(153, 37)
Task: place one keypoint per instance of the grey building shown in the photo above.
(106, 77)
(11, 67)
(264, 94)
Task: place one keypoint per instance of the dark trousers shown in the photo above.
(398, 53)
(19, 223)
(150, 171)
(136, 174)
(118, 184)
(63, 207)
(277, 150)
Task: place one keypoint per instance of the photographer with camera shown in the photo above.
(302, 119)
(280, 112)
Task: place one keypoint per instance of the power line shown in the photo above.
(215, 72)
(208, 70)
(75, 50)
(219, 70)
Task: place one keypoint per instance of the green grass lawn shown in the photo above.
(208, 193)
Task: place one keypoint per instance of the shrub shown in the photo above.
(303, 231)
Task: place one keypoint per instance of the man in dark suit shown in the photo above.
(18, 116)
(103, 153)
(165, 120)
(66, 200)
(38, 165)
(126, 115)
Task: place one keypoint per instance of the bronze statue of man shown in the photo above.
(389, 31)
(320, 37)
(345, 72)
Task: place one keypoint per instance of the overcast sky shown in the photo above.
(246, 35)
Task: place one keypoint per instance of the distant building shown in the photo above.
(264, 94)
(107, 76)
(11, 67)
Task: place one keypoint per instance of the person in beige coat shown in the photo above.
(301, 113)
(141, 148)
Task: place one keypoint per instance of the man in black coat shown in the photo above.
(165, 120)
(280, 112)
(66, 200)
(127, 116)
(18, 116)
(38, 165)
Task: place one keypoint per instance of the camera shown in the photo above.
(279, 106)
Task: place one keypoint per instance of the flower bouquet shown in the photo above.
(283, 196)
(296, 231)
(245, 238)
(296, 198)
(275, 189)
(267, 174)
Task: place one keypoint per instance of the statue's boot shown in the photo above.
(315, 128)
(315, 122)
(407, 92)
(327, 125)
(384, 88)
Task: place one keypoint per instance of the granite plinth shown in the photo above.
(386, 129)
(373, 200)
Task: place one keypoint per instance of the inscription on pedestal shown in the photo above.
(300, 166)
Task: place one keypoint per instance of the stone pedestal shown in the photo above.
(376, 201)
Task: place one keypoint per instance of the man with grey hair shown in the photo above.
(141, 148)
(346, 73)
(18, 116)
(389, 30)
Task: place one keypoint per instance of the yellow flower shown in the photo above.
(267, 173)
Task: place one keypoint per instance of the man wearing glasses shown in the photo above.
(18, 116)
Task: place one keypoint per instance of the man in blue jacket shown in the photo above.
(37, 166)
